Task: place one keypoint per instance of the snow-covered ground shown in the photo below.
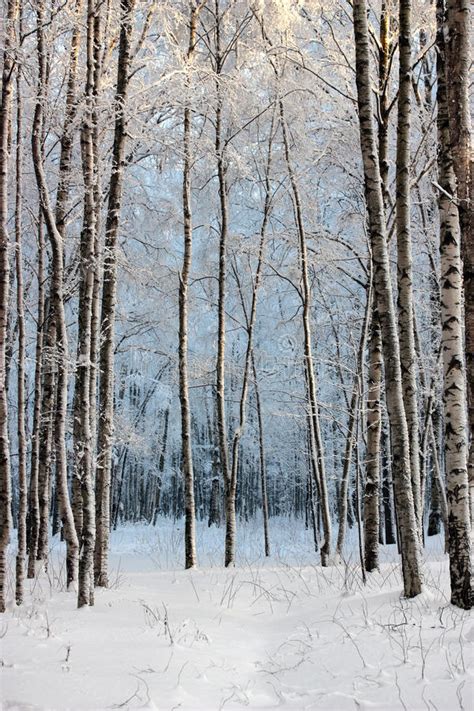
(267, 633)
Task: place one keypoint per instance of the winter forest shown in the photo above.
(236, 354)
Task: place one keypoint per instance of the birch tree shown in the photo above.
(190, 514)
(458, 71)
(410, 551)
(408, 361)
(373, 483)
(5, 118)
(82, 405)
(454, 382)
(109, 298)
(57, 304)
(250, 315)
(374, 426)
(316, 441)
(21, 395)
(351, 440)
(33, 492)
(220, 147)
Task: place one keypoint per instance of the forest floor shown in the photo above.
(267, 633)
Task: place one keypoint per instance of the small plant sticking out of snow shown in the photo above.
(186, 633)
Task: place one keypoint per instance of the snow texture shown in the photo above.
(266, 634)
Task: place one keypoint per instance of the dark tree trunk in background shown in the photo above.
(33, 494)
(109, 298)
(5, 118)
(186, 430)
(21, 394)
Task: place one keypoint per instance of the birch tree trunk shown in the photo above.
(428, 439)
(5, 118)
(161, 466)
(109, 297)
(48, 379)
(188, 471)
(374, 428)
(82, 404)
(351, 439)
(410, 551)
(21, 400)
(454, 383)
(57, 297)
(100, 40)
(221, 325)
(387, 502)
(385, 53)
(250, 319)
(373, 481)
(438, 478)
(48, 357)
(459, 74)
(315, 437)
(261, 453)
(33, 496)
(316, 441)
(408, 360)
(434, 520)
